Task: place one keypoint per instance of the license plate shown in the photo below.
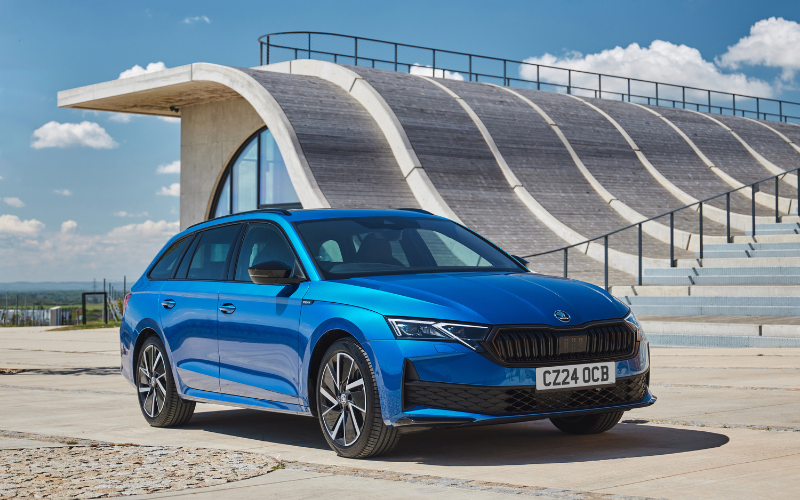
(574, 376)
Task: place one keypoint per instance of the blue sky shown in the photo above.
(50, 46)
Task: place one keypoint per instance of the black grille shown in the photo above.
(542, 344)
(520, 400)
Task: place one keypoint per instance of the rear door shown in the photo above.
(189, 307)
(258, 324)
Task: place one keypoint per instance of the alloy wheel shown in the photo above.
(152, 381)
(344, 399)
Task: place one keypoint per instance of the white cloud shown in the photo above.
(33, 255)
(64, 135)
(169, 119)
(137, 70)
(1, 177)
(11, 225)
(773, 42)
(68, 226)
(63, 192)
(416, 69)
(190, 20)
(126, 214)
(14, 202)
(120, 118)
(661, 62)
(170, 168)
(174, 189)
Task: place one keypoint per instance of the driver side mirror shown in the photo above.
(272, 272)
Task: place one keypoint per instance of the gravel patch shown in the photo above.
(107, 470)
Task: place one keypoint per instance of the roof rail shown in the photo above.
(415, 210)
(281, 211)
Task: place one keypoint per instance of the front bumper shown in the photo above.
(452, 385)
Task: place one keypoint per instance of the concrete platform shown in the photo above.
(705, 438)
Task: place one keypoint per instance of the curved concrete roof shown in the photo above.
(532, 171)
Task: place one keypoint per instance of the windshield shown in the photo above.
(371, 246)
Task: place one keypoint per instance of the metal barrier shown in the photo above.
(727, 194)
(344, 49)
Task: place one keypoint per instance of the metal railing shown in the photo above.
(344, 49)
(727, 194)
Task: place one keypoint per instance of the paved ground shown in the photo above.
(727, 425)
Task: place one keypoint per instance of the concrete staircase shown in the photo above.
(745, 293)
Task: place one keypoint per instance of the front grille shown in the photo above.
(520, 400)
(521, 345)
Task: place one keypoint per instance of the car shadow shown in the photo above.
(537, 442)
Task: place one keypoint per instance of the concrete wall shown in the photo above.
(210, 135)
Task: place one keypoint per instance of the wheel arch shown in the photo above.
(325, 341)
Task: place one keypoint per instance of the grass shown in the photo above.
(88, 326)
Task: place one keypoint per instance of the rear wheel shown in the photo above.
(588, 424)
(348, 404)
(158, 396)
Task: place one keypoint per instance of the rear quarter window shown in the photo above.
(166, 264)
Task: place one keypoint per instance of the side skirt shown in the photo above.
(243, 402)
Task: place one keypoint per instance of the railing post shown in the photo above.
(600, 86)
(605, 260)
(356, 52)
(505, 78)
(538, 80)
(267, 49)
(753, 207)
(470, 63)
(629, 90)
(395, 61)
(672, 239)
(701, 230)
(569, 81)
(709, 101)
(777, 217)
(683, 91)
(734, 106)
(566, 261)
(728, 215)
(640, 255)
(309, 45)
(656, 93)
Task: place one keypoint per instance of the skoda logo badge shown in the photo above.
(562, 316)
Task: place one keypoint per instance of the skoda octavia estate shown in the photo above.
(377, 323)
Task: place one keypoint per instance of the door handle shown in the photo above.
(168, 303)
(227, 308)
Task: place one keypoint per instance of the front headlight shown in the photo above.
(418, 329)
(631, 319)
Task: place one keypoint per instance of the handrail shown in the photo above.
(711, 98)
(727, 194)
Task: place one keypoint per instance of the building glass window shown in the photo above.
(257, 178)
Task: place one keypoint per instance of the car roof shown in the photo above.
(298, 215)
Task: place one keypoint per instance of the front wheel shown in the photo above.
(588, 424)
(158, 396)
(348, 405)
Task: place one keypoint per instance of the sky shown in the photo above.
(88, 195)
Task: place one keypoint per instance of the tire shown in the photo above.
(158, 397)
(349, 412)
(588, 424)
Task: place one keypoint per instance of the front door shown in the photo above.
(258, 324)
(188, 305)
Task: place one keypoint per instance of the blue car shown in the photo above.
(377, 323)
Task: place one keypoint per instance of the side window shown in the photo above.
(163, 268)
(263, 243)
(211, 255)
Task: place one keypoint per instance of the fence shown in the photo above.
(20, 311)
(344, 49)
(753, 187)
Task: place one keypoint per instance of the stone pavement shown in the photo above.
(727, 425)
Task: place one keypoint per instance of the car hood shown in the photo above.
(489, 298)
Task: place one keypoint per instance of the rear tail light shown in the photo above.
(125, 303)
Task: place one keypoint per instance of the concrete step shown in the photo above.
(706, 291)
(740, 262)
(727, 341)
(741, 280)
(766, 238)
(714, 306)
(740, 326)
(722, 271)
(730, 247)
(748, 254)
